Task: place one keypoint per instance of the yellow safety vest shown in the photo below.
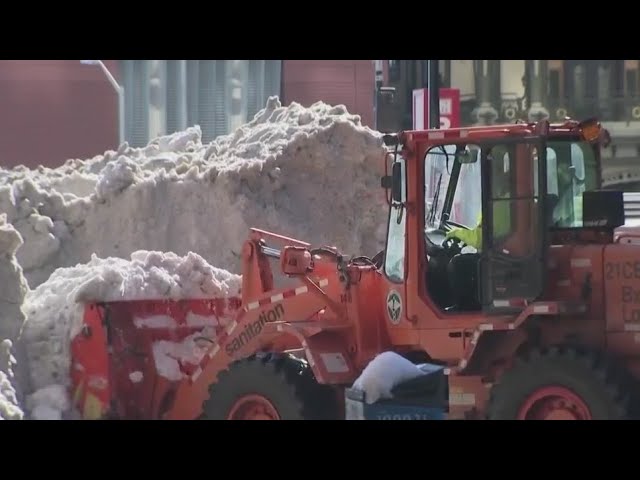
(501, 224)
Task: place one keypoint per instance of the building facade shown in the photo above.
(495, 91)
(336, 82)
(165, 96)
(52, 110)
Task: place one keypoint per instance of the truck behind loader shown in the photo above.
(540, 321)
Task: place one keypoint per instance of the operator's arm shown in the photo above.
(472, 237)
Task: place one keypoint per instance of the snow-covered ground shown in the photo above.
(95, 229)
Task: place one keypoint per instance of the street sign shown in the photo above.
(449, 108)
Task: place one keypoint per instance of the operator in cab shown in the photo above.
(463, 267)
(501, 209)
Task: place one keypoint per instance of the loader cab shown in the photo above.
(483, 205)
(483, 229)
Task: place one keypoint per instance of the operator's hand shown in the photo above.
(471, 238)
(453, 233)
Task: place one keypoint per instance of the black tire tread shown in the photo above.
(602, 384)
(286, 381)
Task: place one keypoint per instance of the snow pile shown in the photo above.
(50, 403)
(91, 229)
(147, 275)
(383, 374)
(311, 173)
(13, 288)
(9, 405)
(55, 312)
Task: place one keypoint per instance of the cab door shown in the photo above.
(512, 264)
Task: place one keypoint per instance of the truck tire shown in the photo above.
(558, 383)
(269, 387)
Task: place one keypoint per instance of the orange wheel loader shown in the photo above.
(505, 263)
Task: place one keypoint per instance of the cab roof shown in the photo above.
(568, 128)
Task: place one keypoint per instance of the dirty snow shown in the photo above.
(311, 173)
(192, 320)
(155, 321)
(13, 285)
(12, 292)
(169, 355)
(92, 229)
(9, 404)
(49, 403)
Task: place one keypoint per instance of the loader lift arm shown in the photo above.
(257, 277)
(266, 315)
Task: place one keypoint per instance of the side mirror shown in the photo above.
(390, 140)
(396, 182)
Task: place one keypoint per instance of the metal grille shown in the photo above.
(136, 85)
(255, 87)
(173, 71)
(632, 208)
(206, 97)
(208, 102)
(221, 118)
(273, 78)
(193, 81)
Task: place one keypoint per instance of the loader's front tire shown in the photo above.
(560, 384)
(269, 387)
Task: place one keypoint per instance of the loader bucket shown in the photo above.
(132, 355)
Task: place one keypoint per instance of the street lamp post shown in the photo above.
(119, 90)
(434, 94)
(378, 81)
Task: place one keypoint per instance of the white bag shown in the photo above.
(383, 374)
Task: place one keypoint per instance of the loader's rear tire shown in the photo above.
(560, 384)
(269, 387)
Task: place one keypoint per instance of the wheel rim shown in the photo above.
(554, 403)
(253, 407)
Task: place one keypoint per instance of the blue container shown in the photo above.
(358, 409)
(422, 398)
